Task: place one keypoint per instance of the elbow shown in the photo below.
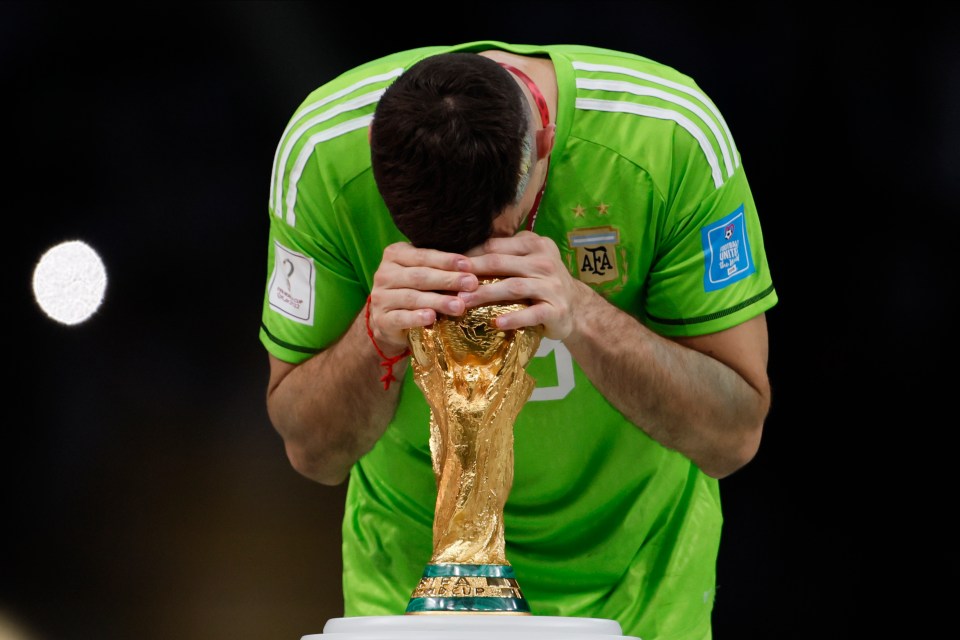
(304, 453)
(737, 458)
(745, 444)
(315, 467)
(736, 455)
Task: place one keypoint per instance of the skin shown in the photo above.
(705, 396)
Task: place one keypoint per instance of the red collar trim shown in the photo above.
(545, 119)
(534, 89)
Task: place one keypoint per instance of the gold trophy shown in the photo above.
(474, 378)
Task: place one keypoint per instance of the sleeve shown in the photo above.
(312, 293)
(711, 271)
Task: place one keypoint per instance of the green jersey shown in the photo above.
(648, 202)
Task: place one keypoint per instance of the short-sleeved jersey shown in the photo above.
(648, 203)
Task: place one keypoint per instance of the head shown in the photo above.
(453, 146)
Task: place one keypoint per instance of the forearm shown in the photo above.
(332, 409)
(682, 398)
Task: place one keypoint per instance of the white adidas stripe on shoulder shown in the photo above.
(640, 90)
(297, 170)
(301, 124)
(620, 106)
(712, 121)
(281, 163)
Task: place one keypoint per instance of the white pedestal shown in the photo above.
(466, 626)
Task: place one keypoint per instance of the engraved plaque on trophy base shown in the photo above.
(477, 588)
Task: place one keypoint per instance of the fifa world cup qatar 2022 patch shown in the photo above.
(291, 285)
(597, 258)
(726, 251)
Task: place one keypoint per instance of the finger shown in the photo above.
(506, 290)
(503, 265)
(404, 266)
(390, 319)
(398, 321)
(529, 266)
(523, 243)
(531, 316)
(412, 300)
(406, 255)
(527, 255)
(392, 276)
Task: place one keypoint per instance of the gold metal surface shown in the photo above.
(474, 378)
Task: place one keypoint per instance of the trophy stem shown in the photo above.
(476, 588)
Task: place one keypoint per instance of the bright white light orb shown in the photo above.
(69, 282)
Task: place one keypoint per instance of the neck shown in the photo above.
(539, 69)
(538, 98)
(544, 110)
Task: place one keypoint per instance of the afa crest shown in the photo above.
(596, 257)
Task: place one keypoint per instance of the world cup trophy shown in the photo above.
(474, 378)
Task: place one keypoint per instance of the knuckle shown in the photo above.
(411, 299)
(541, 264)
(516, 287)
(539, 314)
(546, 246)
(417, 278)
(391, 250)
(495, 263)
(380, 278)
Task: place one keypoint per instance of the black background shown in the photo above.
(144, 492)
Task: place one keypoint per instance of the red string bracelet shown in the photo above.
(387, 363)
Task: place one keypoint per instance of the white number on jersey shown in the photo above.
(564, 364)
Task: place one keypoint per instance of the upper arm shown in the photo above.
(744, 348)
(278, 371)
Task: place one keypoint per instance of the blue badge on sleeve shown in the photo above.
(726, 251)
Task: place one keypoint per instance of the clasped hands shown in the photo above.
(412, 285)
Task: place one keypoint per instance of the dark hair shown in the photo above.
(447, 146)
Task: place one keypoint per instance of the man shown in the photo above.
(604, 189)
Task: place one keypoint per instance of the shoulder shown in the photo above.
(648, 112)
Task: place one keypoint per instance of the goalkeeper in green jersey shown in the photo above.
(604, 188)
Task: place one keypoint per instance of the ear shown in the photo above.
(545, 139)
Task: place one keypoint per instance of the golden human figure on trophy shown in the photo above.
(474, 378)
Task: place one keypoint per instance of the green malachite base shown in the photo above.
(474, 588)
